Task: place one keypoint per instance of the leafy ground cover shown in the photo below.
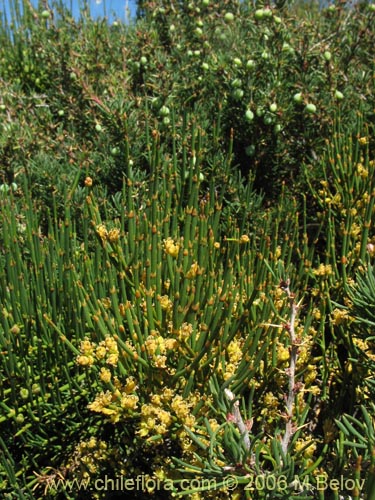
(187, 252)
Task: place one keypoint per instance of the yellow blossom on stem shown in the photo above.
(114, 235)
(171, 248)
(105, 375)
(102, 232)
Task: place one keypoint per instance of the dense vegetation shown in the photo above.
(187, 252)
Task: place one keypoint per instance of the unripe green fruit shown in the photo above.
(98, 127)
(259, 14)
(250, 150)
(249, 115)
(205, 66)
(20, 418)
(237, 61)
(250, 64)
(268, 120)
(166, 120)
(267, 12)
(229, 17)
(327, 55)
(24, 393)
(143, 60)
(45, 14)
(61, 112)
(238, 94)
(339, 95)
(164, 111)
(310, 108)
(236, 83)
(273, 107)
(298, 97)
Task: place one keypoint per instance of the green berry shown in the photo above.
(327, 55)
(229, 17)
(273, 107)
(310, 108)
(298, 97)
(249, 115)
(339, 95)
(164, 111)
(259, 14)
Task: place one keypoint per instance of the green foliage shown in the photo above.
(186, 250)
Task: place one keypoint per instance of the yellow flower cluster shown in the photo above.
(323, 270)
(194, 271)
(185, 332)
(106, 350)
(181, 408)
(89, 456)
(270, 407)
(235, 355)
(171, 248)
(306, 446)
(341, 317)
(113, 235)
(165, 303)
(154, 420)
(157, 347)
(365, 347)
(117, 403)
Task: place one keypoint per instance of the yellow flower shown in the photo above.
(160, 361)
(87, 347)
(85, 360)
(310, 447)
(323, 270)
(100, 352)
(185, 331)
(111, 345)
(114, 235)
(340, 316)
(101, 401)
(129, 401)
(363, 141)
(105, 375)
(283, 353)
(102, 232)
(171, 344)
(88, 182)
(112, 359)
(193, 271)
(244, 239)
(310, 375)
(165, 302)
(130, 385)
(171, 248)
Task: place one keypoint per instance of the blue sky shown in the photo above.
(98, 8)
